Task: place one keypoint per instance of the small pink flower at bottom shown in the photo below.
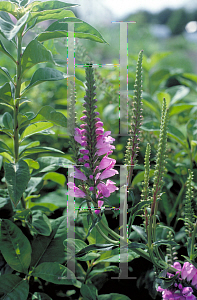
(100, 203)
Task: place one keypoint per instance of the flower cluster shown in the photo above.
(180, 290)
(96, 146)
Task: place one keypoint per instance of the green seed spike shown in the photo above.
(132, 147)
(160, 159)
(188, 209)
(145, 191)
(171, 250)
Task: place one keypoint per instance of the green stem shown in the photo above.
(17, 96)
(193, 240)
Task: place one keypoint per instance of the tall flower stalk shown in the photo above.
(96, 146)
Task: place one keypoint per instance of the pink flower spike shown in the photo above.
(78, 174)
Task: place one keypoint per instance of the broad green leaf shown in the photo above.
(113, 296)
(190, 76)
(50, 248)
(4, 50)
(9, 7)
(140, 177)
(55, 273)
(176, 109)
(9, 29)
(48, 150)
(191, 129)
(45, 74)
(34, 185)
(58, 195)
(7, 120)
(60, 29)
(56, 177)
(157, 57)
(40, 223)
(7, 156)
(94, 236)
(6, 94)
(177, 93)
(15, 247)
(30, 145)
(14, 287)
(22, 121)
(48, 113)
(45, 207)
(149, 102)
(161, 95)
(140, 231)
(50, 163)
(40, 16)
(89, 291)
(5, 72)
(17, 177)
(114, 256)
(4, 148)
(32, 163)
(35, 53)
(49, 5)
(165, 242)
(35, 128)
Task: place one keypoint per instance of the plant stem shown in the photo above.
(17, 96)
(193, 240)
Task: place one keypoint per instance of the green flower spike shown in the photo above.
(132, 147)
(188, 209)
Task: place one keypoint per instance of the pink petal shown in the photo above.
(108, 173)
(75, 191)
(106, 162)
(78, 174)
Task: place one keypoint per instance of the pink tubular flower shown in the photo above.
(100, 203)
(75, 191)
(178, 291)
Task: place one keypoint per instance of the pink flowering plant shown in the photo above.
(44, 255)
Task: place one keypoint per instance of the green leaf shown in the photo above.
(55, 273)
(114, 256)
(177, 109)
(40, 223)
(48, 113)
(45, 74)
(113, 296)
(50, 248)
(35, 128)
(177, 93)
(141, 232)
(40, 16)
(15, 247)
(50, 163)
(140, 177)
(17, 177)
(4, 148)
(60, 29)
(6, 94)
(49, 5)
(22, 121)
(165, 242)
(35, 53)
(56, 177)
(48, 150)
(14, 287)
(9, 7)
(32, 163)
(30, 145)
(5, 72)
(45, 207)
(41, 296)
(89, 291)
(7, 120)
(9, 29)
(149, 102)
